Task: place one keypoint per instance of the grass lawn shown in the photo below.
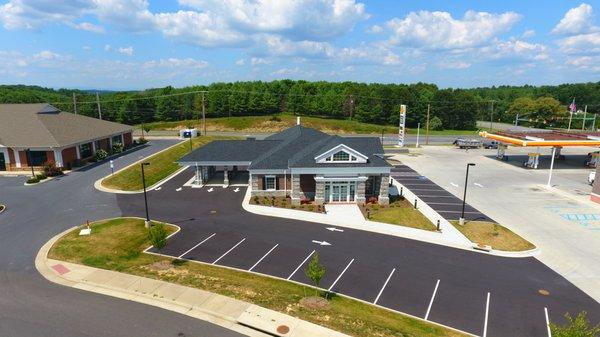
(494, 235)
(282, 121)
(399, 212)
(161, 166)
(117, 245)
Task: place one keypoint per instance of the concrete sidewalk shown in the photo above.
(242, 317)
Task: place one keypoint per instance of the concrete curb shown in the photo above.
(98, 183)
(229, 313)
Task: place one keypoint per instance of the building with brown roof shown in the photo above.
(53, 137)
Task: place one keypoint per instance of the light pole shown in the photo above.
(462, 213)
(147, 222)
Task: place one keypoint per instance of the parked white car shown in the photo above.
(591, 177)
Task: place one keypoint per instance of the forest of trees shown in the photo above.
(371, 103)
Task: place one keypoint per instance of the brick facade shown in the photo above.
(69, 155)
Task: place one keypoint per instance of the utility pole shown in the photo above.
(98, 103)
(492, 116)
(74, 104)
(203, 114)
(584, 115)
(427, 125)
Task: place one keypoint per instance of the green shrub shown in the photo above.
(33, 180)
(101, 154)
(117, 148)
(576, 327)
(436, 123)
(142, 140)
(275, 119)
(157, 235)
(52, 171)
(41, 176)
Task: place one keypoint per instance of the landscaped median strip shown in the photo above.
(117, 244)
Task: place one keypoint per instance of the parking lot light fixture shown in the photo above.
(147, 221)
(462, 213)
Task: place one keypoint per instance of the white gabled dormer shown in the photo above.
(341, 154)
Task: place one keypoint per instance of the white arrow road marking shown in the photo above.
(453, 184)
(333, 229)
(237, 189)
(178, 189)
(322, 243)
(478, 184)
(340, 276)
(210, 189)
(158, 188)
(300, 265)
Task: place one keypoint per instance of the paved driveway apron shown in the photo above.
(442, 201)
(446, 285)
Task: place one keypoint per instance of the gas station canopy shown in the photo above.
(545, 138)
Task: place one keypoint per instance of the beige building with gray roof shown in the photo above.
(53, 137)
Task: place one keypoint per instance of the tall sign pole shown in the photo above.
(401, 125)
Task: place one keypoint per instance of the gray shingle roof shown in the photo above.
(42, 125)
(230, 150)
(294, 147)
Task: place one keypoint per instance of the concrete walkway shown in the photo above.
(239, 316)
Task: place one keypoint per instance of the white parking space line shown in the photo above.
(428, 189)
(340, 276)
(478, 184)
(158, 188)
(432, 298)
(453, 184)
(178, 189)
(201, 242)
(230, 249)
(547, 322)
(443, 203)
(487, 310)
(300, 265)
(262, 258)
(384, 285)
(437, 196)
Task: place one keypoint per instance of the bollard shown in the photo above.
(415, 203)
(401, 188)
(438, 225)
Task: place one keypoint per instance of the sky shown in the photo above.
(137, 44)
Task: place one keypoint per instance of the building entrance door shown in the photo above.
(2, 162)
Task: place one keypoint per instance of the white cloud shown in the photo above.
(107, 47)
(454, 65)
(439, 30)
(528, 33)
(255, 61)
(577, 20)
(90, 27)
(587, 63)
(240, 62)
(516, 49)
(286, 71)
(580, 44)
(278, 46)
(45, 55)
(31, 14)
(375, 29)
(86, 48)
(187, 63)
(367, 55)
(126, 50)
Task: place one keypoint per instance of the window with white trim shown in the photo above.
(341, 156)
(270, 183)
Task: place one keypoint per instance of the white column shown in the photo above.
(93, 146)
(77, 151)
(17, 159)
(551, 167)
(58, 161)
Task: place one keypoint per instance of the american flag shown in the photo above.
(572, 106)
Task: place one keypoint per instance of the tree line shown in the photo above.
(371, 103)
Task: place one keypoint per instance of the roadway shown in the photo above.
(32, 306)
(444, 285)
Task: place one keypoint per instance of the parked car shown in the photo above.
(490, 144)
(591, 177)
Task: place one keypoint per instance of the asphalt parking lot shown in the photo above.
(477, 293)
(442, 201)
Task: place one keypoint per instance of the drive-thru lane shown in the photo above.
(448, 285)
